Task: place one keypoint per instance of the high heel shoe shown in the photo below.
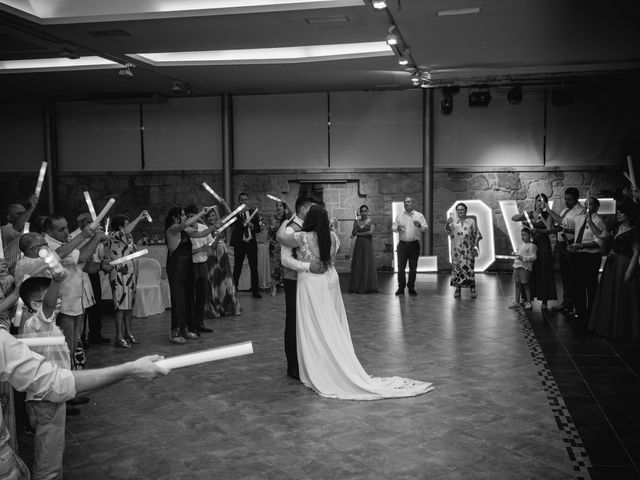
(132, 339)
(121, 343)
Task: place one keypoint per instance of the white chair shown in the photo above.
(148, 293)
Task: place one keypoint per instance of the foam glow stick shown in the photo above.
(234, 213)
(632, 173)
(222, 227)
(526, 215)
(208, 355)
(275, 199)
(43, 170)
(103, 213)
(146, 214)
(26, 228)
(106, 225)
(210, 190)
(131, 256)
(42, 341)
(357, 214)
(250, 217)
(92, 211)
(1, 248)
(52, 259)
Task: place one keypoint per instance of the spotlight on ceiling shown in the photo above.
(392, 38)
(514, 95)
(415, 77)
(446, 104)
(480, 98)
(379, 4)
(126, 72)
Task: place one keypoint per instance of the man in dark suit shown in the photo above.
(243, 241)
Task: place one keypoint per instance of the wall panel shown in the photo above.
(21, 137)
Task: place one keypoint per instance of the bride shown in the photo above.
(326, 358)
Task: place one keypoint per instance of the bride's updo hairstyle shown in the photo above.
(317, 220)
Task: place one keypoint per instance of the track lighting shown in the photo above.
(514, 96)
(379, 4)
(480, 98)
(392, 38)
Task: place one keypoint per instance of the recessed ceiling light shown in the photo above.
(460, 11)
(56, 64)
(299, 54)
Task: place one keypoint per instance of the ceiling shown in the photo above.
(534, 42)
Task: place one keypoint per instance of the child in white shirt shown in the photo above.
(522, 266)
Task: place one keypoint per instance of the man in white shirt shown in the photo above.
(585, 255)
(200, 250)
(290, 268)
(409, 225)
(566, 232)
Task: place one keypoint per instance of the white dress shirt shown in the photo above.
(411, 233)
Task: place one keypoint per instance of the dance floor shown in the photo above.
(497, 411)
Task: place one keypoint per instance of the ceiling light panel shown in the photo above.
(299, 54)
(56, 64)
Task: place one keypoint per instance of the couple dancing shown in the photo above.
(327, 362)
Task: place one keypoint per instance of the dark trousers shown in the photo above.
(585, 268)
(290, 345)
(200, 284)
(564, 261)
(407, 251)
(180, 275)
(249, 250)
(92, 314)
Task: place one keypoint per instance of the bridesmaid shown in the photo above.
(364, 278)
(616, 308)
(124, 277)
(542, 283)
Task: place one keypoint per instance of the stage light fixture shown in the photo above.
(379, 4)
(403, 60)
(480, 98)
(446, 104)
(415, 77)
(514, 95)
(392, 38)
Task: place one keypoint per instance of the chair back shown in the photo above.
(149, 271)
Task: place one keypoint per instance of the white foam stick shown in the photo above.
(526, 215)
(131, 256)
(210, 190)
(225, 225)
(208, 355)
(103, 213)
(146, 214)
(275, 199)
(43, 170)
(357, 214)
(106, 225)
(26, 228)
(1, 248)
(42, 341)
(234, 213)
(632, 173)
(626, 175)
(248, 220)
(52, 259)
(92, 211)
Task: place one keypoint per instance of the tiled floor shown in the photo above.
(490, 417)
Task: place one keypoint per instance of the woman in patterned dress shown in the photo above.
(123, 277)
(465, 238)
(222, 299)
(274, 247)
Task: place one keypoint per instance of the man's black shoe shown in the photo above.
(204, 329)
(294, 373)
(412, 291)
(400, 291)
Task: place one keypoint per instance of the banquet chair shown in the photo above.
(148, 300)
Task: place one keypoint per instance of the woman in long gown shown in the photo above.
(326, 358)
(542, 283)
(616, 308)
(465, 238)
(364, 278)
(221, 295)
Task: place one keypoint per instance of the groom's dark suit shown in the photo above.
(290, 287)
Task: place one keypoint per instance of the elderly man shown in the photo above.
(409, 225)
(17, 216)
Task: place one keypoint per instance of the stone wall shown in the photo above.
(342, 193)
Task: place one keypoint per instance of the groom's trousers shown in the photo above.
(290, 347)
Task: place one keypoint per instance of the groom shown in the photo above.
(291, 267)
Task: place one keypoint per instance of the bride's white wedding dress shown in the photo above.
(326, 358)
